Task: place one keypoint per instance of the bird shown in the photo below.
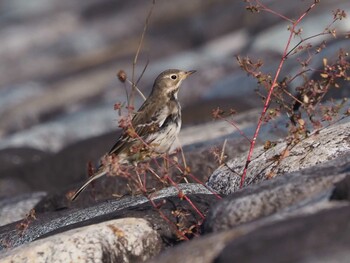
(155, 125)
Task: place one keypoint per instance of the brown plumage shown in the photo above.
(156, 124)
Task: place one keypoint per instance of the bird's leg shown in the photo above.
(166, 162)
(91, 172)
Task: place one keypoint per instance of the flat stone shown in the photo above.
(136, 206)
(321, 237)
(342, 190)
(326, 144)
(286, 194)
(121, 240)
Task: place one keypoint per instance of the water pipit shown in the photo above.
(153, 128)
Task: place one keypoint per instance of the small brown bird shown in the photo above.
(156, 125)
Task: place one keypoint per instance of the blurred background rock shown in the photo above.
(59, 59)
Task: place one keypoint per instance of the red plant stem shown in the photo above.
(187, 199)
(145, 180)
(236, 127)
(266, 9)
(198, 181)
(168, 220)
(181, 169)
(268, 98)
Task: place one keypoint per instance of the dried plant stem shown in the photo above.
(182, 156)
(137, 89)
(155, 174)
(167, 219)
(134, 88)
(186, 197)
(142, 73)
(266, 9)
(222, 152)
(272, 86)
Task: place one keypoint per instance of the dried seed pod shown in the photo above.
(121, 76)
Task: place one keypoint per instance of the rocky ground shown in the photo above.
(58, 86)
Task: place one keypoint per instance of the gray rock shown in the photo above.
(16, 208)
(11, 186)
(68, 219)
(73, 58)
(326, 144)
(290, 194)
(121, 240)
(54, 135)
(322, 237)
(14, 157)
(342, 190)
(68, 166)
(201, 250)
(270, 38)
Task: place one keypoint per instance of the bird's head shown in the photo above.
(168, 82)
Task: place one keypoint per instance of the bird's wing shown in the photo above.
(148, 119)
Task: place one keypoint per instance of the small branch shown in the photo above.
(222, 152)
(266, 9)
(239, 130)
(134, 88)
(167, 219)
(137, 89)
(183, 157)
(273, 85)
(143, 72)
(292, 96)
(186, 197)
(305, 39)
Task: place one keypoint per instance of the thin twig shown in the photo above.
(222, 152)
(167, 219)
(292, 96)
(143, 72)
(231, 122)
(185, 197)
(183, 158)
(132, 95)
(182, 152)
(273, 85)
(305, 39)
(266, 9)
(298, 75)
(137, 89)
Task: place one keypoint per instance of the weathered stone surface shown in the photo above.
(66, 219)
(322, 237)
(67, 169)
(291, 240)
(342, 190)
(326, 144)
(201, 250)
(12, 186)
(121, 240)
(58, 86)
(71, 77)
(14, 157)
(16, 208)
(287, 194)
(56, 171)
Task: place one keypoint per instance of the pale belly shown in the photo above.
(163, 142)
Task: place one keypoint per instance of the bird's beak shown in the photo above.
(190, 72)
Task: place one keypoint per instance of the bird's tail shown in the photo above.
(100, 172)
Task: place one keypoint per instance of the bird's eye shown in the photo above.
(173, 77)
